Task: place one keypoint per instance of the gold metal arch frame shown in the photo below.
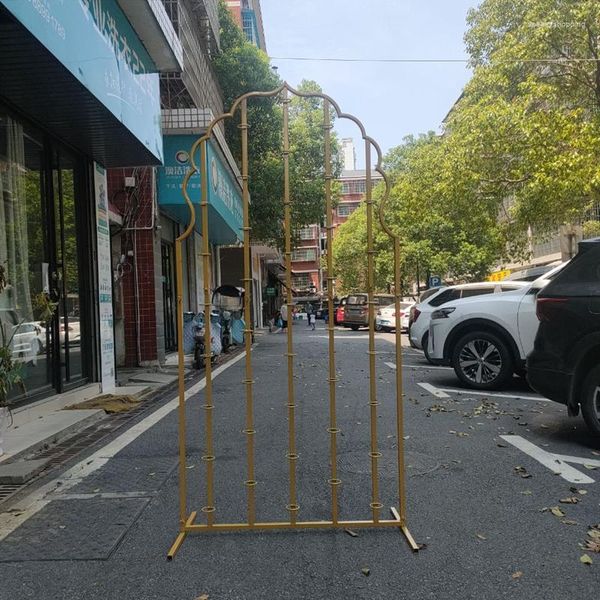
(187, 520)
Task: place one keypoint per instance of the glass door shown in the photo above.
(66, 275)
(42, 190)
(25, 256)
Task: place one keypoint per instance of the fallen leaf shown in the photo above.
(190, 466)
(570, 500)
(585, 559)
(544, 426)
(202, 597)
(527, 492)
(151, 474)
(569, 522)
(422, 546)
(480, 536)
(591, 467)
(517, 575)
(502, 445)
(351, 533)
(365, 571)
(592, 545)
(96, 490)
(557, 512)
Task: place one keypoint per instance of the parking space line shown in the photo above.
(554, 462)
(407, 366)
(433, 390)
(579, 461)
(494, 395)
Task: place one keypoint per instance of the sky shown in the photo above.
(392, 100)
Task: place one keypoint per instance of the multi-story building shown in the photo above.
(248, 16)
(309, 278)
(306, 262)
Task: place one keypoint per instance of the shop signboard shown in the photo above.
(94, 40)
(224, 192)
(270, 291)
(105, 300)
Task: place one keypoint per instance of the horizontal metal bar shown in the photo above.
(288, 525)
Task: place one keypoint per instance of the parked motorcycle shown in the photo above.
(228, 301)
(199, 333)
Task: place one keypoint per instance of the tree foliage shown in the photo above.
(241, 67)
(520, 149)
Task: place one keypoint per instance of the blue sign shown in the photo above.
(435, 281)
(224, 192)
(94, 40)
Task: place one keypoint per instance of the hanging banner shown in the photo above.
(105, 301)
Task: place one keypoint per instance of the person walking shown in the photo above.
(284, 317)
(312, 319)
(309, 313)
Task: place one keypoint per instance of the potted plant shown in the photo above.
(10, 375)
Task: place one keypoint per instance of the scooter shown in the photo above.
(199, 345)
(227, 300)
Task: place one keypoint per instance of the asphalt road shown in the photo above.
(475, 499)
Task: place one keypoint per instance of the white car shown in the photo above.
(487, 339)
(28, 340)
(385, 319)
(421, 313)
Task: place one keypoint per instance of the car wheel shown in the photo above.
(379, 327)
(425, 346)
(482, 360)
(354, 327)
(590, 401)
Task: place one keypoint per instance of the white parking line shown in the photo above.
(579, 461)
(433, 390)
(407, 366)
(468, 392)
(555, 462)
(34, 502)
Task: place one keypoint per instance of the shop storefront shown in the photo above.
(225, 221)
(76, 94)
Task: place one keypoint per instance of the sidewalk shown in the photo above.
(45, 423)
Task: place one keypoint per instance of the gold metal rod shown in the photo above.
(399, 387)
(181, 405)
(298, 525)
(176, 545)
(292, 453)
(333, 429)
(180, 352)
(208, 395)
(374, 454)
(250, 482)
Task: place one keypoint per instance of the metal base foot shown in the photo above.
(404, 529)
(181, 537)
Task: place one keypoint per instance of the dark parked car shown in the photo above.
(356, 313)
(565, 363)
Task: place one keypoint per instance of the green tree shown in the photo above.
(526, 132)
(242, 68)
(439, 234)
